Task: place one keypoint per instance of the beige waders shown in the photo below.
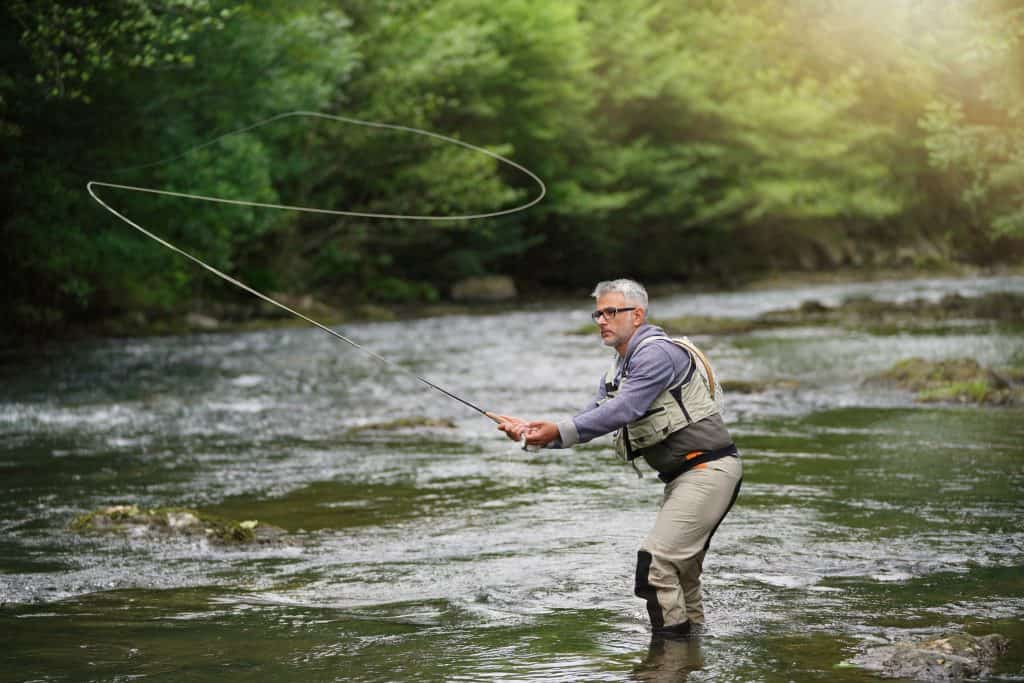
(671, 558)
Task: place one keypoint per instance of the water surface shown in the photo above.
(438, 553)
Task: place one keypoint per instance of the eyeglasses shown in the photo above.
(609, 313)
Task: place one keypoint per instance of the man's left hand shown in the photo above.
(541, 433)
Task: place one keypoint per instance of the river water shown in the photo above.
(448, 553)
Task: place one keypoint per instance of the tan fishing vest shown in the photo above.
(697, 396)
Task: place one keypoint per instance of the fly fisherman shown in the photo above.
(661, 400)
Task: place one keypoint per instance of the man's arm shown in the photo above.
(550, 436)
(515, 426)
(652, 370)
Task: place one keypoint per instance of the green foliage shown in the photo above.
(72, 44)
(395, 290)
(677, 140)
(711, 141)
(974, 132)
(254, 64)
(985, 162)
(501, 75)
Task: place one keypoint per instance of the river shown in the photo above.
(450, 554)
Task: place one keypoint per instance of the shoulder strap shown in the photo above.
(685, 343)
(688, 346)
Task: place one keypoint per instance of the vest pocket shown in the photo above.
(653, 427)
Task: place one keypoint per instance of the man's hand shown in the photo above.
(512, 426)
(541, 433)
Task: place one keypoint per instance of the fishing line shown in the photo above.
(93, 192)
(332, 212)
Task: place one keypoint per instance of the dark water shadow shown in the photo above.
(670, 659)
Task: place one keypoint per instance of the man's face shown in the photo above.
(617, 330)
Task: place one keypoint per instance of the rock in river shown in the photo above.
(159, 523)
(950, 657)
(960, 380)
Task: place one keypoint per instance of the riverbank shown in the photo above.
(243, 315)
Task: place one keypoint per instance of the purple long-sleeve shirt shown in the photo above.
(652, 369)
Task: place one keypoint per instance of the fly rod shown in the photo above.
(241, 285)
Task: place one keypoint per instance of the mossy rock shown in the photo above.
(739, 386)
(1003, 308)
(967, 392)
(171, 522)
(407, 423)
(1012, 375)
(961, 380)
(950, 657)
(918, 374)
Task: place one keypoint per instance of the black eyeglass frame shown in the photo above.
(610, 312)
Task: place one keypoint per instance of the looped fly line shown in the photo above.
(93, 184)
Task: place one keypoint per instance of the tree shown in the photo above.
(724, 132)
(510, 76)
(974, 133)
(219, 68)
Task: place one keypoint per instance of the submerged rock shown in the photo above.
(950, 657)
(406, 423)
(199, 321)
(1003, 308)
(698, 325)
(952, 313)
(960, 380)
(170, 522)
(741, 386)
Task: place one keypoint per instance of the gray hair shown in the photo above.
(633, 292)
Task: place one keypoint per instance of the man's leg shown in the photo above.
(689, 578)
(658, 584)
(670, 561)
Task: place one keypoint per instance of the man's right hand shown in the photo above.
(512, 426)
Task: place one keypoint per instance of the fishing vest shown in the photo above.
(697, 396)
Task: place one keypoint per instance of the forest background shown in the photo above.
(705, 142)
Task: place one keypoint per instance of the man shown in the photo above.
(664, 409)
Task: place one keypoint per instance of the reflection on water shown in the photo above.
(438, 553)
(670, 659)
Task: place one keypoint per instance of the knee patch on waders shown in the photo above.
(642, 588)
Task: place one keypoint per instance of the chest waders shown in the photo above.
(670, 560)
(695, 397)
